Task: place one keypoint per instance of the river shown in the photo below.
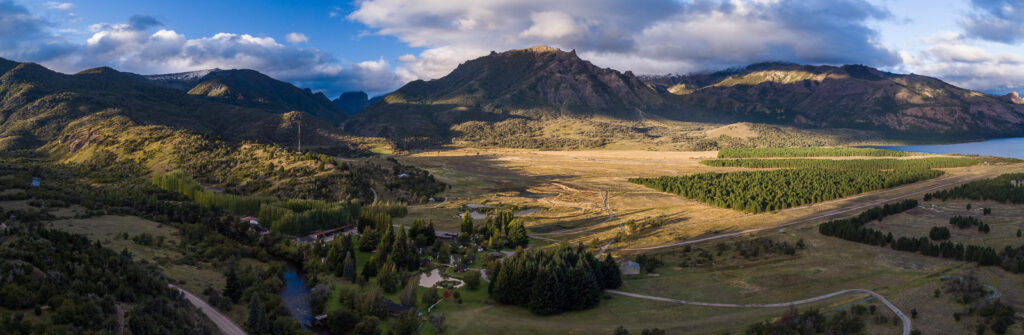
(296, 297)
(1003, 147)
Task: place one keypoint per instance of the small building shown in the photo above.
(447, 236)
(629, 268)
(327, 235)
(404, 175)
(394, 309)
(254, 225)
(330, 233)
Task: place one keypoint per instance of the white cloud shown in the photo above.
(138, 46)
(296, 38)
(654, 36)
(962, 62)
(996, 20)
(65, 6)
(552, 26)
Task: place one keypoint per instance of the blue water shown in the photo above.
(296, 297)
(1003, 147)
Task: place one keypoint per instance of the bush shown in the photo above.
(472, 279)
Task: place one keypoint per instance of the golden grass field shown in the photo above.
(569, 186)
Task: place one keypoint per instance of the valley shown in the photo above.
(527, 191)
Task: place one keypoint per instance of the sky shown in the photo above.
(379, 45)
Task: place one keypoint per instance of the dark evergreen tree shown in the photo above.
(610, 272)
(232, 288)
(349, 267)
(257, 322)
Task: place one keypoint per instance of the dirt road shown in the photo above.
(903, 317)
(226, 326)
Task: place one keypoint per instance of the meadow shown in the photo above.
(569, 189)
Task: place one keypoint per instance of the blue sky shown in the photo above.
(378, 45)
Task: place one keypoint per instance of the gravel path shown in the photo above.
(226, 326)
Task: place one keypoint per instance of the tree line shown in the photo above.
(553, 280)
(1007, 188)
(852, 229)
(964, 222)
(294, 217)
(807, 152)
(864, 164)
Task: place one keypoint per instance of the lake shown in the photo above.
(1003, 147)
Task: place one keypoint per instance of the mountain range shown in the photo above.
(39, 106)
(542, 83)
(524, 94)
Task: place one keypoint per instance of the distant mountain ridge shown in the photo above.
(352, 102)
(249, 88)
(542, 82)
(851, 96)
(39, 107)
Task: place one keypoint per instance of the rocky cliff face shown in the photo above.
(535, 83)
(352, 102)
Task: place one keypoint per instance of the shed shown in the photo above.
(629, 268)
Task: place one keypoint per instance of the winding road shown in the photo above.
(226, 326)
(903, 317)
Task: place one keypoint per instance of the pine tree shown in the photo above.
(370, 268)
(334, 260)
(399, 250)
(612, 275)
(257, 321)
(387, 240)
(349, 267)
(389, 279)
(543, 299)
(232, 288)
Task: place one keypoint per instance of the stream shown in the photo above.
(296, 297)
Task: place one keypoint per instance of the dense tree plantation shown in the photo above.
(760, 191)
(553, 280)
(1007, 188)
(865, 164)
(853, 229)
(82, 282)
(807, 152)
